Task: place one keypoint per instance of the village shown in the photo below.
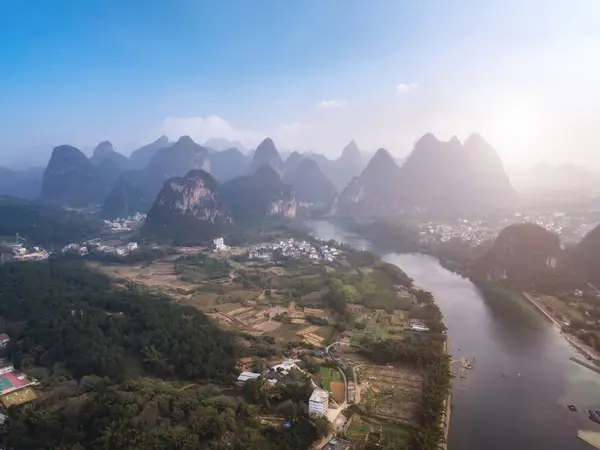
(278, 295)
(571, 227)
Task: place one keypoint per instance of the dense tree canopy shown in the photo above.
(96, 348)
(61, 312)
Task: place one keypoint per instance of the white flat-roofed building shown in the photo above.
(318, 404)
(245, 376)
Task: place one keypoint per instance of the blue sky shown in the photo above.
(312, 74)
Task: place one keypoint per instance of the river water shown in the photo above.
(515, 397)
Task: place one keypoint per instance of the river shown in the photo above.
(516, 395)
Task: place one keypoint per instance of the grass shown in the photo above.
(356, 429)
(397, 434)
(328, 375)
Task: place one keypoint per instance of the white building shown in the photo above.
(6, 366)
(132, 246)
(318, 404)
(220, 244)
(245, 376)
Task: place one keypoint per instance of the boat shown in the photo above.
(593, 415)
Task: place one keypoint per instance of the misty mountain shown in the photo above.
(259, 195)
(228, 164)
(141, 157)
(375, 191)
(292, 162)
(523, 254)
(136, 190)
(189, 207)
(341, 170)
(222, 144)
(437, 177)
(104, 152)
(25, 184)
(266, 153)
(72, 179)
(309, 183)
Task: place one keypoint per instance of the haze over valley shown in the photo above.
(340, 225)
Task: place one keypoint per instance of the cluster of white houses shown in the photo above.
(82, 249)
(294, 249)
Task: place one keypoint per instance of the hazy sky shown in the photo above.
(312, 74)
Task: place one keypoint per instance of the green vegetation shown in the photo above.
(94, 347)
(61, 312)
(328, 375)
(43, 225)
(200, 267)
(427, 354)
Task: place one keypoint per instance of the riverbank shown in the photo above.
(447, 407)
(589, 353)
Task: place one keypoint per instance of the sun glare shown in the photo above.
(515, 126)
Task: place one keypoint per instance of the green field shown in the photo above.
(328, 375)
(357, 429)
(396, 434)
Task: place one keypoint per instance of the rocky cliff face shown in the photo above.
(524, 255)
(285, 208)
(195, 194)
(189, 206)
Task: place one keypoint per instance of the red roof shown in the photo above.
(4, 337)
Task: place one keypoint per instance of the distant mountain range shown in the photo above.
(437, 177)
(440, 177)
(136, 190)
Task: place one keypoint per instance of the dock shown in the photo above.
(590, 437)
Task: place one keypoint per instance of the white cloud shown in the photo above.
(203, 128)
(405, 87)
(328, 104)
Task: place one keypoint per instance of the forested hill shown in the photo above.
(123, 370)
(61, 312)
(42, 224)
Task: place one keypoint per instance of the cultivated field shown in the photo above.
(391, 393)
(19, 397)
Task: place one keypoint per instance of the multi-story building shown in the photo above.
(318, 404)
